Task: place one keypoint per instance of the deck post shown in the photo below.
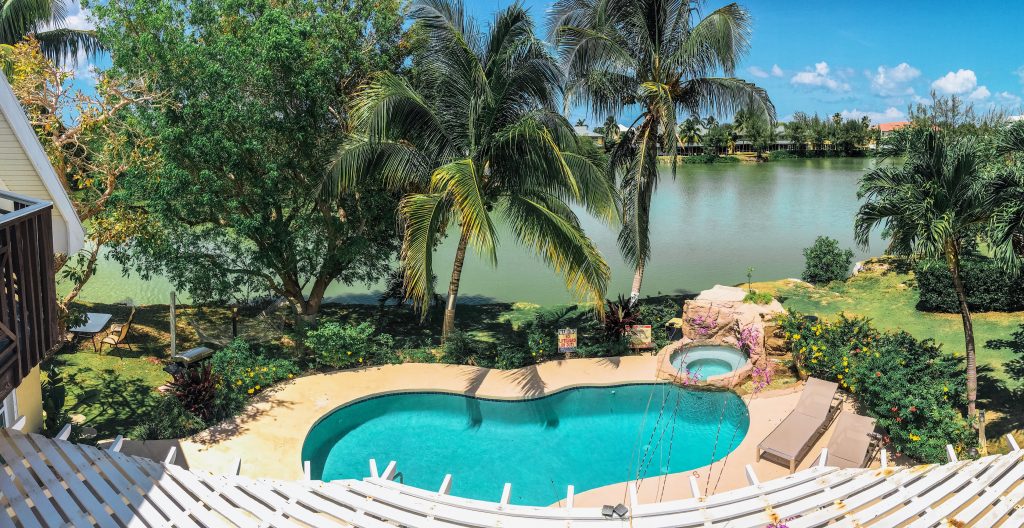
(20, 424)
(695, 488)
(633, 500)
(823, 457)
(373, 469)
(307, 471)
(1013, 442)
(115, 446)
(65, 432)
(389, 471)
(951, 454)
(172, 454)
(446, 485)
(751, 476)
(885, 459)
(570, 495)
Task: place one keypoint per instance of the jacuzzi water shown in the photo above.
(708, 360)
(588, 437)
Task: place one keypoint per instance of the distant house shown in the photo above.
(584, 131)
(37, 219)
(885, 129)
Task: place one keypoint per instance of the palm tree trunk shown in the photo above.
(638, 279)
(972, 360)
(453, 286)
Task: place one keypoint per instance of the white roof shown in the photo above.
(47, 482)
(71, 238)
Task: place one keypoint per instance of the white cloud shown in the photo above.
(1020, 73)
(821, 77)
(893, 81)
(757, 72)
(1008, 99)
(961, 82)
(777, 71)
(890, 114)
(981, 93)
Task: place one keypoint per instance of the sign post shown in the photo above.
(567, 341)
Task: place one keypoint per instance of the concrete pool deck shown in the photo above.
(268, 435)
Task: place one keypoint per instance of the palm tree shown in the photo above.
(44, 19)
(1008, 189)
(611, 130)
(479, 141)
(934, 205)
(690, 131)
(657, 56)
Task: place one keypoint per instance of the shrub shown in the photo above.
(196, 388)
(419, 355)
(989, 288)
(825, 262)
(617, 317)
(757, 297)
(245, 373)
(54, 395)
(167, 419)
(344, 346)
(913, 390)
(458, 348)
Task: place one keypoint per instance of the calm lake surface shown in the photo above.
(708, 225)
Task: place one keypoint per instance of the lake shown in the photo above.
(708, 225)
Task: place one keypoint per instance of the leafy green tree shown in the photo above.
(479, 141)
(660, 57)
(933, 205)
(690, 131)
(258, 92)
(1007, 187)
(45, 21)
(826, 262)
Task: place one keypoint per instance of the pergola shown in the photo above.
(52, 482)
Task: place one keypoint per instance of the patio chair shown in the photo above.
(853, 442)
(118, 334)
(813, 413)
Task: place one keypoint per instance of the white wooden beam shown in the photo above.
(446, 485)
(506, 493)
(951, 454)
(570, 495)
(389, 472)
(373, 469)
(237, 466)
(823, 457)
(1013, 442)
(751, 476)
(65, 432)
(634, 501)
(115, 446)
(885, 459)
(307, 471)
(172, 454)
(695, 488)
(19, 425)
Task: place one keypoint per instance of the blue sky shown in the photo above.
(870, 57)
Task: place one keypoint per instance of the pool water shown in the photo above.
(707, 361)
(588, 437)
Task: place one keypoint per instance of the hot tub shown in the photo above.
(707, 361)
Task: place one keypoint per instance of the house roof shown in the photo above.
(584, 131)
(894, 125)
(26, 136)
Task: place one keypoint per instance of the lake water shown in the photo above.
(708, 225)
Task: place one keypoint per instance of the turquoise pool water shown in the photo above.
(588, 437)
(706, 361)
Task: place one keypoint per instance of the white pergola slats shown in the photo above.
(47, 482)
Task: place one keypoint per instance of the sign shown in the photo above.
(567, 341)
(640, 336)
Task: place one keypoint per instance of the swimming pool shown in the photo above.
(588, 437)
(707, 361)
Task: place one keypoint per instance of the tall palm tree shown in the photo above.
(660, 57)
(690, 131)
(478, 141)
(1008, 189)
(934, 205)
(44, 19)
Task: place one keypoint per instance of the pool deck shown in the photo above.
(268, 435)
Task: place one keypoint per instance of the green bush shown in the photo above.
(989, 288)
(244, 373)
(913, 390)
(339, 346)
(757, 297)
(167, 419)
(419, 355)
(825, 262)
(658, 313)
(458, 348)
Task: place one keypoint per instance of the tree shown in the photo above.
(478, 141)
(43, 20)
(826, 262)
(1007, 187)
(934, 205)
(610, 131)
(658, 56)
(690, 131)
(93, 138)
(259, 91)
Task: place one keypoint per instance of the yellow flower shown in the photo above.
(257, 387)
(350, 352)
(238, 382)
(796, 337)
(840, 376)
(249, 391)
(945, 388)
(290, 376)
(360, 360)
(914, 437)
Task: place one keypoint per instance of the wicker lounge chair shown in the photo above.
(792, 438)
(853, 442)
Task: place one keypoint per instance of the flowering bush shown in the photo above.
(913, 389)
(703, 324)
(244, 373)
(338, 346)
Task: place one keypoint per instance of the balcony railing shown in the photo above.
(28, 299)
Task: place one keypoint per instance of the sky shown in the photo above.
(869, 57)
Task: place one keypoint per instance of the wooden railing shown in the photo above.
(28, 299)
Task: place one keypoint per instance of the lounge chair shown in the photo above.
(792, 438)
(119, 334)
(852, 443)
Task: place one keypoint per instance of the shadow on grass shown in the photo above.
(109, 401)
(1008, 404)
